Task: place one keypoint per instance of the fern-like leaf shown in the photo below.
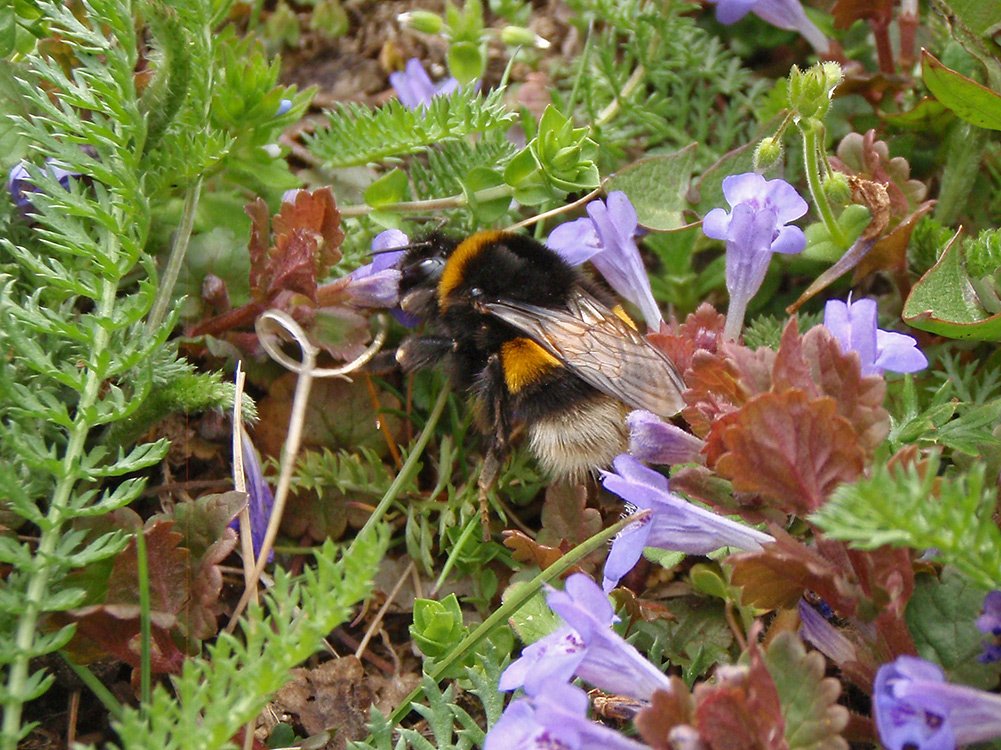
(358, 135)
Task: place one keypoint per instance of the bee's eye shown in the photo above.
(475, 292)
(429, 266)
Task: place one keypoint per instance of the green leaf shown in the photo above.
(465, 61)
(480, 179)
(533, 619)
(813, 718)
(976, 104)
(907, 508)
(657, 186)
(8, 29)
(392, 187)
(941, 616)
(979, 17)
(943, 301)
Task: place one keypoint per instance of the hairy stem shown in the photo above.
(812, 133)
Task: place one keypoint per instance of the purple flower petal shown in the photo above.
(990, 623)
(554, 719)
(556, 656)
(576, 241)
(675, 524)
(652, 440)
(414, 88)
(260, 501)
(753, 230)
(783, 14)
(915, 707)
(606, 239)
(853, 325)
(610, 663)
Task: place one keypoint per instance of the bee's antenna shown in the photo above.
(404, 248)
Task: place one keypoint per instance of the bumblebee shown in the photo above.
(538, 344)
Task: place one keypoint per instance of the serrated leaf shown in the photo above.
(657, 187)
(790, 448)
(813, 718)
(976, 104)
(942, 618)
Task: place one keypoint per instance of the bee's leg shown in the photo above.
(418, 352)
(497, 413)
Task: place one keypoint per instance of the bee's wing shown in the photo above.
(601, 349)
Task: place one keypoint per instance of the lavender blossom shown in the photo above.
(783, 14)
(753, 230)
(853, 324)
(673, 524)
(587, 648)
(260, 501)
(553, 657)
(414, 88)
(655, 441)
(826, 638)
(990, 623)
(20, 184)
(377, 284)
(606, 239)
(555, 718)
(915, 708)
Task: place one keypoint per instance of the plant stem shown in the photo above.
(176, 259)
(51, 531)
(811, 131)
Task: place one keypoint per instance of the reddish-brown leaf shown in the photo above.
(776, 576)
(527, 550)
(307, 239)
(667, 710)
(714, 390)
(566, 517)
(741, 711)
(791, 449)
(704, 485)
(702, 330)
(859, 398)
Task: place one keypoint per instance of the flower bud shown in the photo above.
(768, 151)
(519, 36)
(810, 91)
(837, 189)
(422, 20)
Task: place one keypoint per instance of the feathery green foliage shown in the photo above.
(75, 327)
(916, 508)
(358, 135)
(219, 692)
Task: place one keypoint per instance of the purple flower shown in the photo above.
(553, 719)
(588, 648)
(783, 14)
(377, 284)
(606, 239)
(555, 656)
(990, 622)
(826, 638)
(915, 708)
(854, 326)
(283, 106)
(655, 441)
(414, 88)
(20, 184)
(260, 501)
(753, 230)
(673, 524)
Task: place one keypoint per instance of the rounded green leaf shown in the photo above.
(657, 186)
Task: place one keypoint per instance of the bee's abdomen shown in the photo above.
(571, 443)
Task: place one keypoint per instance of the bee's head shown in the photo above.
(420, 270)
